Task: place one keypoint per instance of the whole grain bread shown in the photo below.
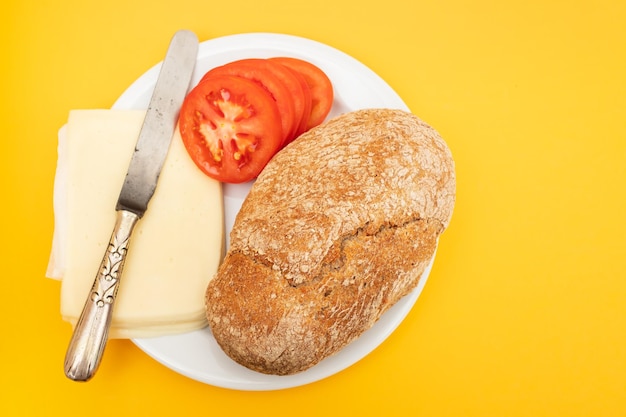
(337, 228)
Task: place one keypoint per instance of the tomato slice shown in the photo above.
(320, 85)
(255, 69)
(303, 105)
(230, 127)
(298, 90)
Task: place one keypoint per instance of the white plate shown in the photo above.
(196, 354)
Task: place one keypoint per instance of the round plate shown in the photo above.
(196, 354)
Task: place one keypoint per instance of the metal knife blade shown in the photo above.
(159, 124)
(90, 334)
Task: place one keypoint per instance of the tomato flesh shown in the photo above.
(231, 128)
(299, 92)
(302, 101)
(259, 71)
(321, 88)
(241, 113)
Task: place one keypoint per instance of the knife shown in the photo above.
(90, 335)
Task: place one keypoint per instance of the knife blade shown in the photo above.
(90, 334)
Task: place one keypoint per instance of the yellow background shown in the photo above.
(524, 313)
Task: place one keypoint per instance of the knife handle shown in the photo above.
(91, 331)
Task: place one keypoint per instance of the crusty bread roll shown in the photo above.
(337, 228)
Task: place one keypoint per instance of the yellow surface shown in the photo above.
(525, 311)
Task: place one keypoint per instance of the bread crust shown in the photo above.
(337, 228)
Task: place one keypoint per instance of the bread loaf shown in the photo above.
(337, 228)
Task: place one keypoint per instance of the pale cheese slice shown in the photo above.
(175, 248)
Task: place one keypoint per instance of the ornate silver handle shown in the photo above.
(92, 329)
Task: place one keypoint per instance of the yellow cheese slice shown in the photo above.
(175, 248)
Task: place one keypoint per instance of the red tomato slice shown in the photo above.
(306, 103)
(230, 127)
(254, 69)
(320, 85)
(299, 92)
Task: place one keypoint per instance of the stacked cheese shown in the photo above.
(175, 248)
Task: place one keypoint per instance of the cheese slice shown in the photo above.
(175, 248)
